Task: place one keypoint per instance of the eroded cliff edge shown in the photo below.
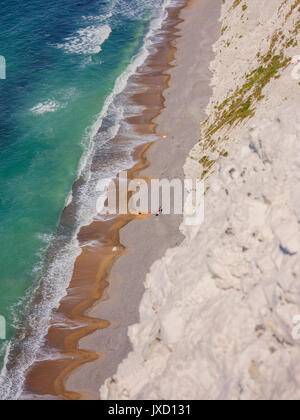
(217, 314)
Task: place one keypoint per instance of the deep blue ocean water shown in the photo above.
(63, 58)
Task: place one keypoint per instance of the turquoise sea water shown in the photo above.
(63, 58)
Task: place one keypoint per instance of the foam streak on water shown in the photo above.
(48, 106)
(87, 41)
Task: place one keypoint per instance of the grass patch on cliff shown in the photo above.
(241, 105)
(293, 7)
(236, 3)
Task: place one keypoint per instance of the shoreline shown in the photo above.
(148, 239)
(46, 378)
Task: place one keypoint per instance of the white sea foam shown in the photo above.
(63, 98)
(27, 346)
(69, 199)
(122, 81)
(45, 107)
(87, 40)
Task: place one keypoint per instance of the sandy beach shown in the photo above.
(107, 286)
(148, 239)
(219, 315)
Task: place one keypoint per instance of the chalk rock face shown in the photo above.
(218, 315)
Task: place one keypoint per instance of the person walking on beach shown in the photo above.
(160, 211)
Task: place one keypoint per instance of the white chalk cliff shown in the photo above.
(216, 320)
